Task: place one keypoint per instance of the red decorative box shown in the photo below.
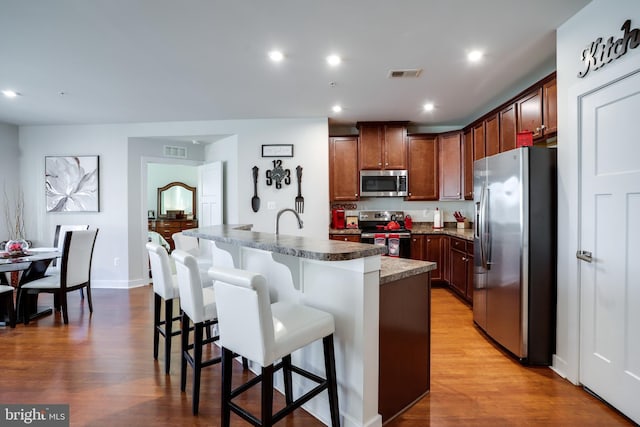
(524, 139)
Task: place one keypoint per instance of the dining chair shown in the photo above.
(165, 287)
(252, 327)
(201, 252)
(6, 299)
(58, 240)
(75, 274)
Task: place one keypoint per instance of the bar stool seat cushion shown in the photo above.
(284, 328)
(296, 326)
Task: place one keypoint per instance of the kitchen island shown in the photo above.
(343, 279)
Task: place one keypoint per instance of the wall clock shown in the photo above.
(278, 175)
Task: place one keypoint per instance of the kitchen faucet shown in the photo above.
(280, 212)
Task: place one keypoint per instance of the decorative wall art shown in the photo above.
(71, 183)
(277, 150)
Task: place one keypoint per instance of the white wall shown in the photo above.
(8, 172)
(601, 18)
(125, 149)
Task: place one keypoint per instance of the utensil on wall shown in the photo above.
(299, 199)
(255, 200)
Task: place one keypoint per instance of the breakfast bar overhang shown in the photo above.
(341, 278)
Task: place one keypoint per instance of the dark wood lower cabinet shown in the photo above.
(435, 251)
(454, 258)
(345, 237)
(461, 268)
(405, 330)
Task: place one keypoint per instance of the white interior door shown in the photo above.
(610, 231)
(210, 194)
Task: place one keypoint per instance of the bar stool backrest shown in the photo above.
(190, 285)
(245, 319)
(161, 271)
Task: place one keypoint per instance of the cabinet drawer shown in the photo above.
(458, 244)
(189, 224)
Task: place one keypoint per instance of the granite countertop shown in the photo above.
(393, 269)
(422, 228)
(303, 247)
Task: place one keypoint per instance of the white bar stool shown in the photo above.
(198, 305)
(252, 327)
(165, 287)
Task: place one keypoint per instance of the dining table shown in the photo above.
(16, 270)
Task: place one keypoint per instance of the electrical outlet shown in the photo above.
(271, 205)
(116, 261)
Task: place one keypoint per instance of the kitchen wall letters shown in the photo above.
(598, 54)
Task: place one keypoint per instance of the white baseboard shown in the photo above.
(119, 284)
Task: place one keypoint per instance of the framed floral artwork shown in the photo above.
(71, 183)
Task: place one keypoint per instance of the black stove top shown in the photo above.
(375, 221)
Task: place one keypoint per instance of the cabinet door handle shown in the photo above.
(542, 126)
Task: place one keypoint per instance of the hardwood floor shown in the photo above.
(102, 366)
(473, 383)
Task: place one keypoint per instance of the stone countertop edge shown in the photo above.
(420, 228)
(392, 269)
(298, 246)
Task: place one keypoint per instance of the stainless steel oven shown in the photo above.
(386, 228)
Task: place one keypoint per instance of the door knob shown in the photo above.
(584, 256)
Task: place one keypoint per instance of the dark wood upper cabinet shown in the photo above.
(537, 110)
(450, 150)
(550, 109)
(422, 167)
(492, 135)
(383, 146)
(508, 128)
(478, 141)
(343, 169)
(467, 150)
(530, 112)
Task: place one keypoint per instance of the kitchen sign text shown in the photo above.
(599, 53)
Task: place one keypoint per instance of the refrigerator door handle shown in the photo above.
(481, 227)
(487, 231)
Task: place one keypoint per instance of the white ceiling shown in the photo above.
(165, 60)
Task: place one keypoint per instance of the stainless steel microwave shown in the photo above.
(384, 183)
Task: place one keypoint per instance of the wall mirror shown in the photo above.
(177, 200)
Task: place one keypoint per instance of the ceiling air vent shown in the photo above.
(172, 151)
(405, 73)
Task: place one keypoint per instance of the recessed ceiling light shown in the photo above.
(333, 60)
(428, 106)
(10, 93)
(276, 56)
(336, 108)
(474, 55)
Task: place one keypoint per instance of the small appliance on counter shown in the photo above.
(337, 219)
(386, 228)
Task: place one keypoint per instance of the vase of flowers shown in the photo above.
(16, 247)
(17, 244)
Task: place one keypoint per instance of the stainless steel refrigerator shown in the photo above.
(514, 289)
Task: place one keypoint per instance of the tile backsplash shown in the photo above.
(419, 211)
